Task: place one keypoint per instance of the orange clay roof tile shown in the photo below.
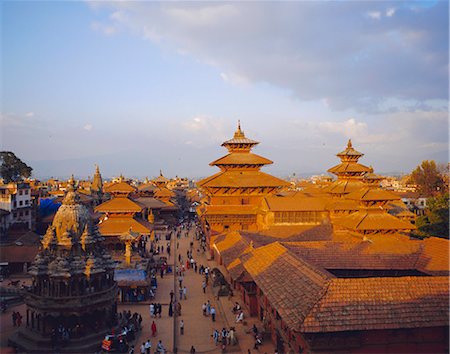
(241, 158)
(368, 194)
(435, 256)
(119, 225)
(242, 179)
(344, 186)
(275, 271)
(349, 167)
(120, 187)
(366, 220)
(380, 303)
(119, 205)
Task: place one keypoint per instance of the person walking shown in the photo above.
(181, 327)
(204, 286)
(14, 318)
(152, 310)
(215, 336)
(204, 309)
(170, 310)
(160, 348)
(208, 308)
(184, 292)
(148, 346)
(143, 348)
(181, 293)
(213, 314)
(159, 309)
(140, 321)
(192, 350)
(153, 328)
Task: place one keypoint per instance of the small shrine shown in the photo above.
(72, 302)
(350, 174)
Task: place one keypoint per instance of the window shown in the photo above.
(15, 204)
(20, 202)
(20, 192)
(26, 212)
(27, 202)
(20, 214)
(26, 191)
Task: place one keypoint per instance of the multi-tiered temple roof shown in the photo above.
(240, 170)
(349, 172)
(239, 187)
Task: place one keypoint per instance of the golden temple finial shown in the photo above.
(239, 134)
(71, 196)
(160, 172)
(97, 169)
(349, 144)
(71, 183)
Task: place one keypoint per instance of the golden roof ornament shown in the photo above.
(71, 197)
(239, 134)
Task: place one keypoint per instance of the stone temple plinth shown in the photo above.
(73, 299)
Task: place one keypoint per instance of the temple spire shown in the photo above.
(349, 144)
(239, 134)
(239, 142)
(97, 183)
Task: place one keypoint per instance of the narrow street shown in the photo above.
(198, 328)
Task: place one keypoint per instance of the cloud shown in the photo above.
(29, 114)
(316, 50)
(88, 127)
(390, 12)
(350, 128)
(376, 15)
(205, 131)
(234, 79)
(104, 28)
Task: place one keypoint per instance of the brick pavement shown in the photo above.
(164, 324)
(198, 328)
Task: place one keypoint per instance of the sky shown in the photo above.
(139, 87)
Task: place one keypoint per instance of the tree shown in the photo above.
(12, 168)
(428, 179)
(436, 218)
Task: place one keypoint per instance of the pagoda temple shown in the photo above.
(349, 172)
(120, 214)
(372, 217)
(235, 193)
(73, 289)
